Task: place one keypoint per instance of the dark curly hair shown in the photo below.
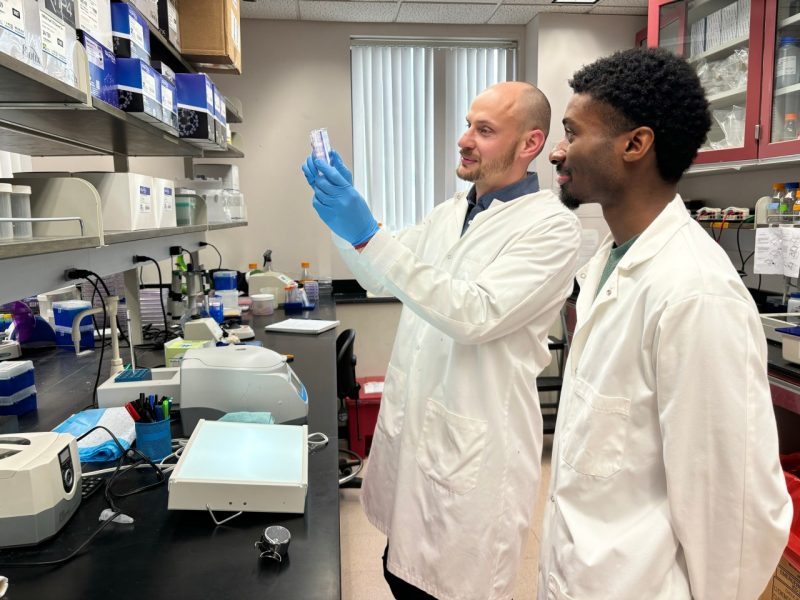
(653, 88)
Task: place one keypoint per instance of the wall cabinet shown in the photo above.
(747, 54)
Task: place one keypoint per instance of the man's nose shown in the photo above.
(558, 153)
(465, 141)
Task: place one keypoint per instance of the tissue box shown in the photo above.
(17, 389)
(126, 200)
(20, 32)
(130, 32)
(102, 70)
(164, 202)
(196, 109)
(139, 90)
(175, 349)
(94, 17)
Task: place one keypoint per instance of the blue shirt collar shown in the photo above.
(526, 185)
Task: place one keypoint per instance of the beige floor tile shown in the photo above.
(365, 585)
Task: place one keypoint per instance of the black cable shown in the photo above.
(204, 244)
(105, 287)
(141, 257)
(108, 495)
(739, 247)
(102, 343)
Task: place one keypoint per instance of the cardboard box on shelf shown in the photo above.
(210, 32)
(785, 583)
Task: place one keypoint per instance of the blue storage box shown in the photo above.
(169, 97)
(102, 70)
(139, 90)
(225, 280)
(130, 32)
(64, 312)
(196, 109)
(17, 389)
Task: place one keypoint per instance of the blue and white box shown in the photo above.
(102, 70)
(220, 121)
(17, 389)
(139, 90)
(196, 109)
(64, 313)
(169, 105)
(130, 32)
(20, 32)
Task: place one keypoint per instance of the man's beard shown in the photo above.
(497, 165)
(568, 200)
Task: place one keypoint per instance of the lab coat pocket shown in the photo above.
(595, 442)
(393, 401)
(451, 448)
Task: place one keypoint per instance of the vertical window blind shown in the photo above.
(410, 100)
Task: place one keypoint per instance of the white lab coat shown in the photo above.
(665, 480)
(455, 460)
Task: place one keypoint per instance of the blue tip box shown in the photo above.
(17, 389)
(64, 312)
(196, 109)
(130, 32)
(139, 89)
(102, 70)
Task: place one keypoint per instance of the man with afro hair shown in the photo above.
(665, 480)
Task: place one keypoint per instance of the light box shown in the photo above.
(249, 467)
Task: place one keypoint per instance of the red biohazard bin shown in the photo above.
(362, 415)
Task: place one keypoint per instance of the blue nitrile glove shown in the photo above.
(337, 202)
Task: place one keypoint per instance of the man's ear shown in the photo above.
(637, 143)
(533, 142)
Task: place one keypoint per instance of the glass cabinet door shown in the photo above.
(780, 113)
(721, 39)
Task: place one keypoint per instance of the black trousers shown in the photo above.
(402, 590)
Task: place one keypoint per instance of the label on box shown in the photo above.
(148, 85)
(168, 200)
(218, 106)
(12, 16)
(209, 94)
(137, 31)
(786, 65)
(166, 98)
(89, 15)
(235, 30)
(94, 53)
(54, 32)
(145, 204)
(172, 17)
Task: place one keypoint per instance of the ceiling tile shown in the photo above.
(274, 9)
(619, 10)
(451, 13)
(514, 15)
(353, 12)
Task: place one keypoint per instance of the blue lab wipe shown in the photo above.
(98, 445)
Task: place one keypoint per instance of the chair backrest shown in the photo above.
(346, 384)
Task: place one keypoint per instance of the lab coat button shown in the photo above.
(608, 292)
(552, 499)
(583, 275)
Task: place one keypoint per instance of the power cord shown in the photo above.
(204, 244)
(139, 258)
(109, 495)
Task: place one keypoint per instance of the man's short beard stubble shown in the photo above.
(568, 200)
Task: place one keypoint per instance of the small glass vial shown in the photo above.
(21, 209)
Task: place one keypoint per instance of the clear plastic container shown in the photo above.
(21, 209)
(6, 228)
(185, 210)
(225, 280)
(263, 304)
(235, 203)
(787, 203)
(787, 73)
(773, 208)
(310, 285)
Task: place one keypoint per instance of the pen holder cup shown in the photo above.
(154, 440)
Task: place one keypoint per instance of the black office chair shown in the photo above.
(554, 384)
(350, 463)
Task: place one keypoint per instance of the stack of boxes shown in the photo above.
(17, 390)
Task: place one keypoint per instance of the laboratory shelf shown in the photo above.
(725, 48)
(727, 98)
(788, 89)
(35, 246)
(119, 237)
(793, 20)
(231, 152)
(217, 226)
(233, 110)
(21, 84)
